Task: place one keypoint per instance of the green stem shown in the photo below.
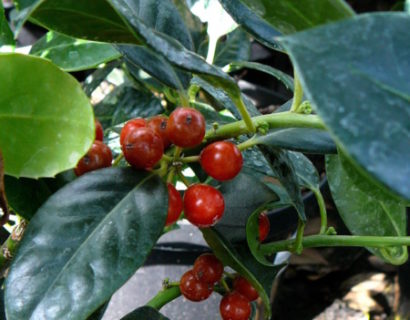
(182, 177)
(190, 159)
(297, 94)
(322, 209)
(274, 120)
(117, 159)
(298, 245)
(225, 285)
(183, 98)
(246, 117)
(9, 247)
(163, 297)
(247, 144)
(335, 241)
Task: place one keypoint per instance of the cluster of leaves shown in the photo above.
(87, 236)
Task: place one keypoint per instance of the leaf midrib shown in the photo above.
(87, 239)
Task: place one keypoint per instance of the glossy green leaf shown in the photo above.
(375, 213)
(360, 86)
(84, 243)
(141, 57)
(72, 54)
(306, 140)
(92, 20)
(276, 73)
(125, 103)
(305, 170)
(6, 36)
(236, 46)
(147, 313)
(261, 277)
(266, 19)
(243, 195)
(283, 169)
(94, 79)
(44, 106)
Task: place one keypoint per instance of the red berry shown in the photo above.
(203, 205)
(264, 226)
(175, 205)
(208, 268)
(130, 126)
(142, 148)
(159, 125)
(235, 306)
(221, 160)
(186, 127)
(194, 289)
(241, 285)
(99, 132)
(99, 156)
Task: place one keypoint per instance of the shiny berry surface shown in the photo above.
(203, 205)
(130, 126)
(142, 148)
(222, 160)
(208, 268)
(99, 132)
(243, 286)
(194, 289)
(186, 127)
(175, 205)
(264, 226)
(159, 125)
(99, 156)
(234, 306)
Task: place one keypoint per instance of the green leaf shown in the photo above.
(241, 260)
(266, 19)
(94, 79)
(235, 47)
(46, 107)
(125, 103)
(306, 140)
(6, 36)
(144, 313)
(243, 195)
(84, 243)
(283, 169)
(375, 213)
(359, 86)
(92, 20)
(72, 54)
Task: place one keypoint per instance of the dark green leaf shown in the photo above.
(261, 277)
(266, 19)
(84, 243)
(92, 20)
(235, 47)
(72, 54)
(280, 75)
(360, 86)
(144, 313)
(375, 213)
(6, 36)
(305, 170)
(140, 57)
(94, 80)
(283, 169)
(243, 195)
(41, 107)
(125, 103)
(300, 139)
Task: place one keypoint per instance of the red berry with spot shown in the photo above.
(143, 148)
(208, 268)
(130, 126)
(186, 127)
(159, 125)
(222, 160)
(235, 306)
(99, 156)
(264, 226)
(203, 205)
(194, 289)
(99, 132)
(175, 205)
(243, 286)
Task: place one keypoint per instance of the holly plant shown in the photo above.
(90, 182)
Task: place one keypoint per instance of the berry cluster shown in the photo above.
(197, 285)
